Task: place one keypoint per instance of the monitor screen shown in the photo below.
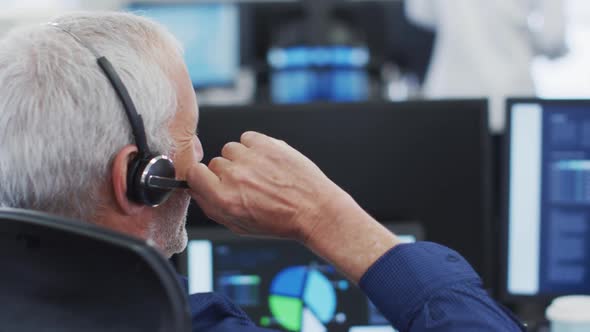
(209, 33)
(548, 230)
(305, 74)
(389, 157)
(280, 284)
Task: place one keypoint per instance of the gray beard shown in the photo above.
(169, 227)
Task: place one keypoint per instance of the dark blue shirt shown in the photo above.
(418, 287)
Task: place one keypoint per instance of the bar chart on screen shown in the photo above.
(570, 181)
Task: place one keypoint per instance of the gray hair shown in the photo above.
(61, 123)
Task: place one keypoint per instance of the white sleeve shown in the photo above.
(548, 27)
(422, 13)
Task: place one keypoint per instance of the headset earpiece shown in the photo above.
(132, 170)
(150, 181)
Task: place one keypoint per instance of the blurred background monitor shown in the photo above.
(421, 161)
(304, 74)
(209, 33)
(333, 51)
(547, 248)
(280, 284)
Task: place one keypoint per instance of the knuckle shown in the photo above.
(217, 164)
(227, 148)
(249, 135)
(253, 138)
(214, 162)
(281, 144)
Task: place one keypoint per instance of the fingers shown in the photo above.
(258, 141)
(252, 138)
(219, 165)
(234, 151)
(202, 181)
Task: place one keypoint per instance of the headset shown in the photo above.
(151, 178)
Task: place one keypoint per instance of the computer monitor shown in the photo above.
(209, 33)
(303, 74)
(280, 284)
(547, 229)
(426, 161)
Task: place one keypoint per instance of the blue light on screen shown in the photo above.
(304, 74)
(209, 34)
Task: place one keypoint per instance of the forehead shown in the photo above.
(187, 100)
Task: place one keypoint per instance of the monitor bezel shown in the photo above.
(137, 6)
(505, 201)
(221, 233)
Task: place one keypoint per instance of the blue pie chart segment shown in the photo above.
(319, 296)
(289, 282)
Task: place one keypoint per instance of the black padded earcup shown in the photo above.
(134, 168)
(140, 171)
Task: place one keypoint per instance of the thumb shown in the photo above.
(202, 181)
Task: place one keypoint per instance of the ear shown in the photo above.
(119, 178)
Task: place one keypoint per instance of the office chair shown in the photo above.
(65, 275)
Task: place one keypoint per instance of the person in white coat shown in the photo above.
(485, 48)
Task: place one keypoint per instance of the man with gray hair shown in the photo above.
(62, 125)
(66, 148)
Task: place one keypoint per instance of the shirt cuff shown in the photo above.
(403, 279)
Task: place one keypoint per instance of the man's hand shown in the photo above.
(263, 187)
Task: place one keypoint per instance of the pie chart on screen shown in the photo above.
(302, 299)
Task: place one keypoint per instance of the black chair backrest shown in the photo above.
(65, 275)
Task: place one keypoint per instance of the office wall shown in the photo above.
(20, 12)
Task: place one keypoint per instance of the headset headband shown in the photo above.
(135, 120)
